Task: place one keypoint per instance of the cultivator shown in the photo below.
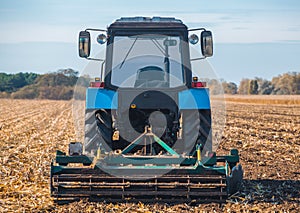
(167, 178)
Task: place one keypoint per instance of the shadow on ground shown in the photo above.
(270, 191)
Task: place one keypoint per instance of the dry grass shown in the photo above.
(31, 131)
(264, 99)
(266, 133)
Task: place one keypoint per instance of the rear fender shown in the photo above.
(194, 99)
(101, 99)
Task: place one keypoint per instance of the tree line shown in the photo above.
(60, 85)
(285, 84)
(55, 85)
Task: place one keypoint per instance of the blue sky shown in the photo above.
(252, 38)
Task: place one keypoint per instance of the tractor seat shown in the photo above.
(150, 75)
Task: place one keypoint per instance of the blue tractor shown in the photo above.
(148, 132)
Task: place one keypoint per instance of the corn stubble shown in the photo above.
(266, 134)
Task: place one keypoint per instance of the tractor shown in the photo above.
(148, 127)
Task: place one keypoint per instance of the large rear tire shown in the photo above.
(196, 129)
(97, 131)
(104, 123)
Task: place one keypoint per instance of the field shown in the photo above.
(266, 131)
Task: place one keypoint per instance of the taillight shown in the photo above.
(97, 84)
(198, 84)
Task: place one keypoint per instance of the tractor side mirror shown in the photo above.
(84, 44)
(206, 43)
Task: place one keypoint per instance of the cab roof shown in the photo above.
(147, 22)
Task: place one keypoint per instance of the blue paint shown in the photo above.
(108, 99)
(194, 99)
(101, 99)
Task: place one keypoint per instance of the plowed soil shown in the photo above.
(266, 132)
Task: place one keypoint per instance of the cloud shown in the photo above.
(231, 21)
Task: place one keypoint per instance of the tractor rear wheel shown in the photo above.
(97, 131)
(196, 126)
(104, 123)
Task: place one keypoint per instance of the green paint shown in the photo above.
(165, 146)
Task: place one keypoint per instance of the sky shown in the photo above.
(252, 38)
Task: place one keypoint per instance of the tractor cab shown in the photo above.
(136, 45)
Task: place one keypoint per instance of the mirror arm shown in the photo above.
(102, 66)
(195, 59)
(195, 29)
(92, 29)
(95, 59)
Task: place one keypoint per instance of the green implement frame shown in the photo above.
(119, 177)
(123, 175)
